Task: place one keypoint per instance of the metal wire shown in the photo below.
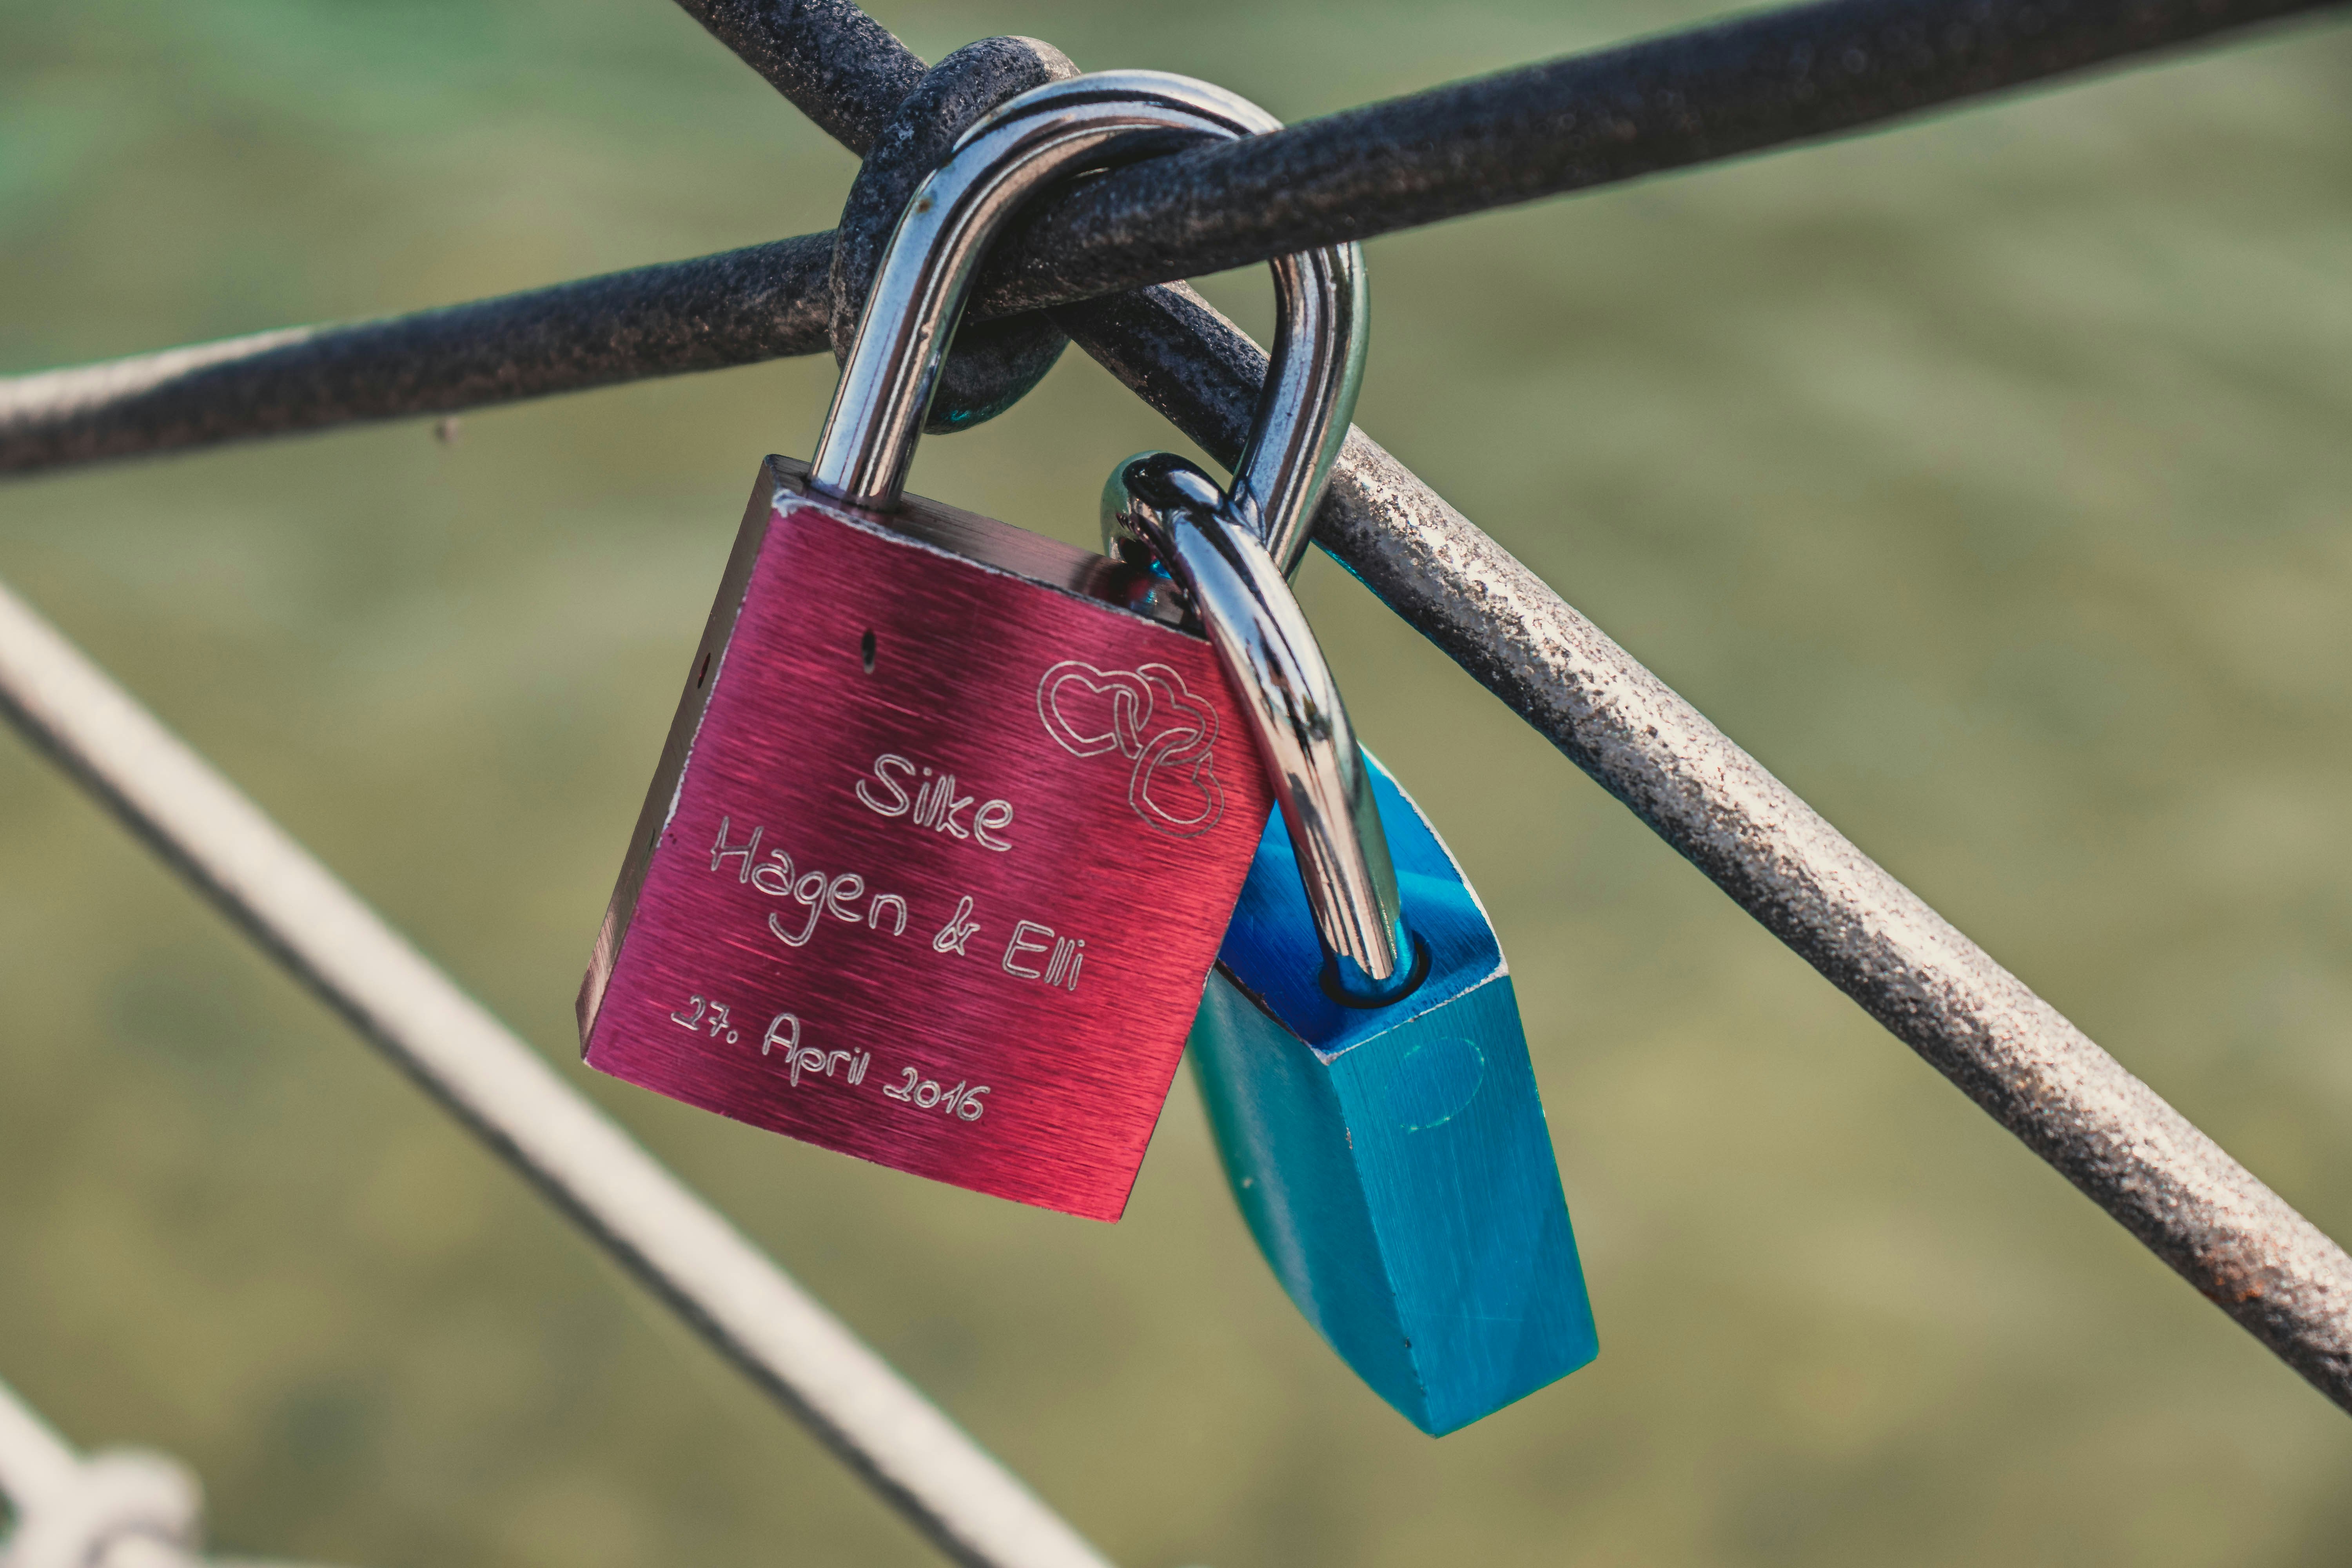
(1768, 80)
(832, 61)
(731, 1292)
(1696, 95)
(765, 301)
(1683, 99)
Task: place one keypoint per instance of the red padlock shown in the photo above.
(951, 817)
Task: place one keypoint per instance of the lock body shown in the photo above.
(1393, 1161)
(941, 848)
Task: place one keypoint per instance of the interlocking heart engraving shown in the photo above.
(1091, 711)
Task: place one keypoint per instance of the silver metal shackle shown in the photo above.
(1321, 321)
(1005, 159)
(1304, 737)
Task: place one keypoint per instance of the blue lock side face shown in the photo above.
(1394, 1163)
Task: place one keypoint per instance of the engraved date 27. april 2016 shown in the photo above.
(961, 1102)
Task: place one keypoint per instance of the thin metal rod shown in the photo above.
(1769, 79)
(832, 61)
(766, 302)
(502, 1091)
(1679, 100)
(1696, 95)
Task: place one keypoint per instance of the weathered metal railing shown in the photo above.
(1738, 87)
(1744, 86)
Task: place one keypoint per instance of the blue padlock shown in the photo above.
(1392, 1161)
(1359, 1043)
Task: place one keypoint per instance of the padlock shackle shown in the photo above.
(1004, 160)
(1322, 316)
(1305, 738)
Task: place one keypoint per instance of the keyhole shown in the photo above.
(702, 672)
(866, 649)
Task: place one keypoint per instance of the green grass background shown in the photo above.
(1990, 478)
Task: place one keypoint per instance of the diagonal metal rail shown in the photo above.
(746, 1307)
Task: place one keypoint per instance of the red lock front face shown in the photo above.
(938, 857)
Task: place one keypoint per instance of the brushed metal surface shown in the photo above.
(1105, 794)
(1394, 1163)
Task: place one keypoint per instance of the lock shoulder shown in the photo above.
(995, 546)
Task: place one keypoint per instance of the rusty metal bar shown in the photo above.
(1758, 81)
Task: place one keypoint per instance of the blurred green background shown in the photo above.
(1990, 478)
